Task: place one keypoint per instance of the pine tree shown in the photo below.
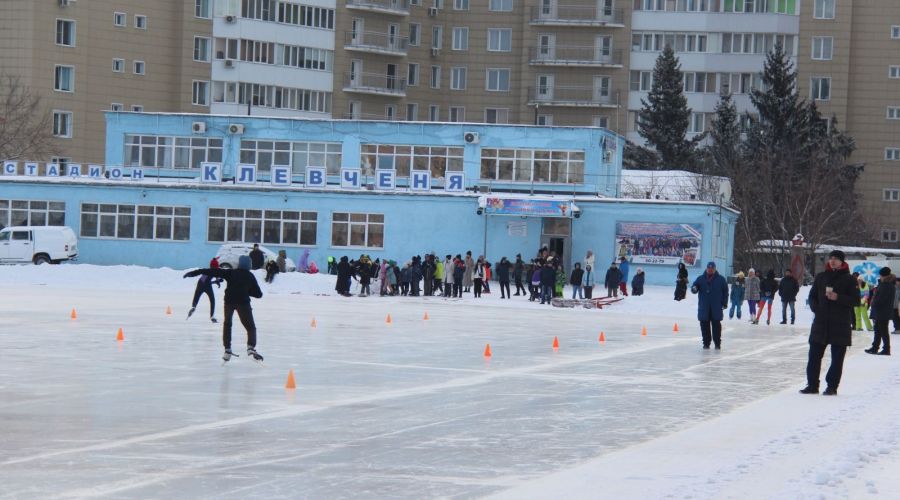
(779, 106)
(725, 133)
(664, 118)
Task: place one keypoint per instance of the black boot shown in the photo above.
(872, 350)
(885, 352)
(830, 391)
(809, 390)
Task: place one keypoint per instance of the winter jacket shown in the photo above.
(713, 296)
(415, 273)
(548, 276)
(752, 288)
(503, 271)
(737, 292)
(519, 270)
(588, 279)
(577, 276)
(536, 276)
(479, 271)
(788, 289)
(428, 269)
(637, 284)
(588, 261)
(883, 302)
(439, 270)
(257, 259)
(896, 296)
(391, 276)
(459, 272)
(448, 271)
(241, 284)
(282, 262)
(405, 274)
(343, 276)
(613, 277)
(864, 291)
(768, 286)
(469, 269)
(832, 321)
(623, 270)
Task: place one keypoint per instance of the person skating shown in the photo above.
(257, 257)
(767, 289)
(613, 277)
(204, 285)
(576, 281)
(862, 309)
(737, 295)
(752, 292)
(637, 283)
(787, 291)
(519, 274)
(681, 281)
(882, 311)
(832, 298)
(588, 282)
(712, 291)
(240, 286)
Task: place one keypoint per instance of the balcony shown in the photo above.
(577, 15)
(375, 84)
(574, 55)
(394, 7)
(572, 97)
(376, 43)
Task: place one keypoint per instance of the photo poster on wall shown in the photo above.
(659, 243)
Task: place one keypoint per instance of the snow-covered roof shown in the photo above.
(676, 185)
(824, 249)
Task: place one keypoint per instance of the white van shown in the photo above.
(37, 244)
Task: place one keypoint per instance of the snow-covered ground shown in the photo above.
(412, 409)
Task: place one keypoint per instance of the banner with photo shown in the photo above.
(659, 243)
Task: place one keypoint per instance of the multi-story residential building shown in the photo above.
(500, 61)
(849, 63)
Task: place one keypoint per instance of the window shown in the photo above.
(414, 30)
(135, 222)
(412, 112)
(64, 78)
(435, 77)
(258, 52)
(139, 68)
(545, 120)
(270, 96)
(698, 123)
(357, 230)
(140, 22)
(116, 106)
(892, 154)
(891, 195)
(600, 121)
(528, 165)
(65, 32)
(652, 5)
(457, 114)
(895, 32)
(893, 71)
(402, 159)
(820, 88)
(137, 108)
(437, 33)
(62, 124)
(497, 80)
(118, 65)
(201, 9)
(200, 93)
(889, 235)
(458, 79)
(305, 57)
(32, 213)
(171, 152)
(893, 113)
(201, 49)
(501, 5)
(821, 48)
(460, 4)
(412, 74)
(641, 80)
(297, 155)
(460, 38)
(499, 40)
(119, 19)
(824, 9)
(496, 115)
(434, 113)
(275, 227)
(289, 13)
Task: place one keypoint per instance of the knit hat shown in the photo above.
(740, 274)
(711, 264)
(885, 271)
(839, 254)
(244, 262)
(214, 263)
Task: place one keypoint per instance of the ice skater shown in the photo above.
(713, 299)
(240, 286)
(204, 285)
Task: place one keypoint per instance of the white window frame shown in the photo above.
(498, 72)
(71, 32)
(893, 112)
(137, 108)
(124, 19)
(118, 61)
(695, 119)
(460, 4)
(207, 57)
(412, 75)
(498, 112)
(196, 86)
(349, 223)
(414, 115)
(889, 235)
(199, 8)
(500, 32)
(117, 106)
(68, 118)
(304, 222)
(435, 77)
(895, 32)
(140, 21)
(500, 5)
(460, 38)
(890, 195)
(138, 216)
(57, 80)
(415, 34)
(819, 45)
(437, 37)
(815, 88)
(892, 154)
(894, 72)
(434, 113)
(457, 82)
(821, 9)
(459, 111)
(545, 120)
(142, 65)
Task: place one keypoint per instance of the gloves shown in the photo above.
(694, 289)
(724, 306)
(191, 274)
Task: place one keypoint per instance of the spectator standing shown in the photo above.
(624, 267)
(752, 292)
(737, 295)
(788, 290)
(882, 310)
(637, 283)
(257, 259)
(576, 281)
(613, 277)
(712, 293)
(588, 281)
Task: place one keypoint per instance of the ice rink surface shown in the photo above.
(410, 409)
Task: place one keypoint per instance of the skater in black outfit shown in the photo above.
(204, 285)
(681, 282)
(241, 285)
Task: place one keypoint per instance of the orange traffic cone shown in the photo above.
(555, 343)
(602, 337)
(388, 319)
(313, 324)
(675, 329)
(169, 310)
(120, 336)
(74, 316)
(644, 331)
(426, 316)
(290, 381)
(487, 351)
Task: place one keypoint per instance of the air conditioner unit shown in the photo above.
(230, 19)
(198, 127)
(435, 52)
(433, 11)
(235, 128)
(229, 63)
(471, 137)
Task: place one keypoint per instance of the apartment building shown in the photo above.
(849, 63)
(498, 61)
(86, 57)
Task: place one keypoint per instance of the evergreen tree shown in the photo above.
(780, 109)
(725, 133)
(664, 118)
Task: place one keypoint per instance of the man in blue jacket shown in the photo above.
(713, 299)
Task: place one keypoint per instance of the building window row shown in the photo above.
(740, 6)
(725, 43)
(700, 82)
(402, 159)
(32, 213)
(297, 155)
(202, 9)
(273, 227)
(135, 222)
(65, 32)
(152, 151)
(120, 19)
(823, 9)
(893, 71)
(271, 96)
(822, 47)
(527, 165)
(360, 230)
(294, 56)
(286, 12)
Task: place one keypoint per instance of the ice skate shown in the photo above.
(255, 356)
(227, 356)
(191, 312)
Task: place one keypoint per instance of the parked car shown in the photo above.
(228, 255)
(37, 244)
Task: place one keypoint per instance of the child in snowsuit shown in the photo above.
(862, 310)
(737, 296)
(241, 285)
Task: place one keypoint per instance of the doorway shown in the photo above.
(556, 235)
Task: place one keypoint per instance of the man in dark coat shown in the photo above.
(548, 281)
(503, 269)
(257, 258)
(832, 299)
(712, 293)
(788, 290)
(343, 277)
(613, 277)
(882, 312)
(518, 273)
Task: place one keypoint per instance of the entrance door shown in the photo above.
(545, 88)
(393, 31)
(601, 89)
(355, 72)
(548, 9)
(603, 49)
(605, 8)
(391, 76)
(356, 31)
(546, 50)
(556, 236)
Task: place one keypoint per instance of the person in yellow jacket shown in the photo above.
(862, 310)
